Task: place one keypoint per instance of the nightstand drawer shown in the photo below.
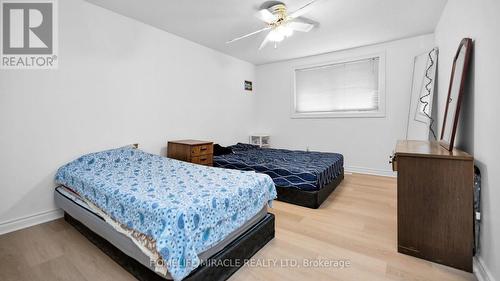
(194, 151)
(203, 149)
(203, 159)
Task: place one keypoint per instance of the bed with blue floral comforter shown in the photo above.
(301, 170)
(183, 208)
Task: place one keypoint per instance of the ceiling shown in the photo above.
(342, 24)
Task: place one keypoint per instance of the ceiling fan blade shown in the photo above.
(249, 34)
(266, 40)
(266, 16)
(300, 26)
(302, 10)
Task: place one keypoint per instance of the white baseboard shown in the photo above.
(370, 171)
(481, 271)
(24, 222)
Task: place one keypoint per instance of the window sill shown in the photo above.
(322, 115)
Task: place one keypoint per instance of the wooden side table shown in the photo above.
(193, 151)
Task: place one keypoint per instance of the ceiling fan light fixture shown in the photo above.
(280, 23)
(276, 36)
(285, 30)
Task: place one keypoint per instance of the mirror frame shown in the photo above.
(467, 44)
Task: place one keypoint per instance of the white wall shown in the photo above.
(366, 143)
(478, 129)
(119, 82)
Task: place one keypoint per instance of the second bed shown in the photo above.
(302, 178)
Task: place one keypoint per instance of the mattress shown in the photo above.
(172, 210)
(74, 205)
(303, 170)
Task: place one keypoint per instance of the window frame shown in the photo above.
(380, 113)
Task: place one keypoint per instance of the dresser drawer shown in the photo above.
(202, 159)
(203, 149)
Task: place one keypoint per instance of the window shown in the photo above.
(349, 88)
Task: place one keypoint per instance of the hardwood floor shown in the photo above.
(357, 224)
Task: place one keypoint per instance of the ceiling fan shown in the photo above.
(280, 23)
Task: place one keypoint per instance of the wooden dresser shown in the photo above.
(435, 203)
(194, 151)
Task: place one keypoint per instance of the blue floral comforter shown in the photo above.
(184, 208)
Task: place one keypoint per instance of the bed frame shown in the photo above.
(234, 254)
(309, 199)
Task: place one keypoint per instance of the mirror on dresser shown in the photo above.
(455, 93)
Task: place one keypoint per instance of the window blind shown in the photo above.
(341, 87)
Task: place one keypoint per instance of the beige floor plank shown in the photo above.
(356, 223)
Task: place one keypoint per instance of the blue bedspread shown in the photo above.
(185, 208)
(288, 168)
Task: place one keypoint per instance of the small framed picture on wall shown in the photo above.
(248, 85)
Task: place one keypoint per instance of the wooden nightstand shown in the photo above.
(194, 151)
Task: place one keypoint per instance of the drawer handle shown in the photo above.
(203, 159)
(204, 148)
